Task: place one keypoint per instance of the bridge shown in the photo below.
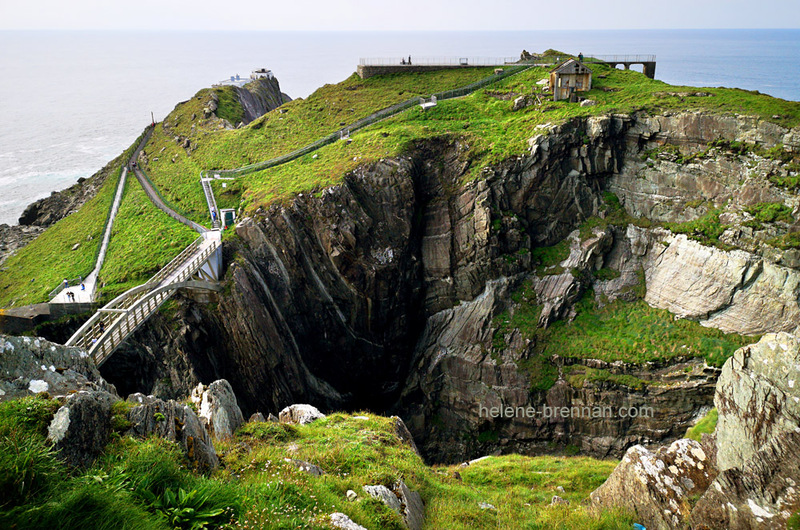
(197, 267)
(648, 62)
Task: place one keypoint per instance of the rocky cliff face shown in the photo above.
(259, 97)
(381, 292)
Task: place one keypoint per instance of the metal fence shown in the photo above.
(436, 61)
(369, 120)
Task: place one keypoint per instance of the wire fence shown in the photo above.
(369, 120)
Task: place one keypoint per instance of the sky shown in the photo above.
(402, 15)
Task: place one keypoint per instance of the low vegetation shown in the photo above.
(145, 484)
(634, 332)
(706, 425)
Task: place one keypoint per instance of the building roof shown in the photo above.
(572, 66)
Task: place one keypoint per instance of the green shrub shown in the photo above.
(770, 212)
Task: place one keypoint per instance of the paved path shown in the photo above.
(161, 205)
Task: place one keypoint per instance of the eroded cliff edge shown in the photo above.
(384, 292)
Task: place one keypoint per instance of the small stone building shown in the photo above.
(261, 73)
(568, 78)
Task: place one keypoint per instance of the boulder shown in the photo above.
(402, 432)
(176, 422)
(385, 495)
(522, 102)
(219, 410)
(758, 397)
(658, 485)
(340, 520)
(80, 429)
(588, 103)
(300, 414)
(257, 418)
(408, 504)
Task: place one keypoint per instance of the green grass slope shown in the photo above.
(147, 485)
(143, 240)
(28, 276)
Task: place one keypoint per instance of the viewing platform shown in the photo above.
(370, 66)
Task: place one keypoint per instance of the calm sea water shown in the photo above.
(71, 101)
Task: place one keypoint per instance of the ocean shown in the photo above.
(72, 101)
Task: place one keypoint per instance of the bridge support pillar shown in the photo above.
(650, 69)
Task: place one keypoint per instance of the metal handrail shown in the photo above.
(131, 297)
(108, 341)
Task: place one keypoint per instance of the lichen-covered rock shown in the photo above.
(762, 494)
(757, 437)
(219, 411)
(34, 365)
(176, 422)
(300, 414)
(657, 485)
(340, 520)
(758, 397)
(80, 429)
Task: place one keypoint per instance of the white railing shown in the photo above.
(435, 61)
(110, 325)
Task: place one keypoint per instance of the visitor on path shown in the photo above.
(403, 60)
(580, 56)
(213, 215)
(66, 283)
(83, 286)
(409, 59)
(102, 327)
(69, 296)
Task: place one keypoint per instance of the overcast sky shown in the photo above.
(396, 15)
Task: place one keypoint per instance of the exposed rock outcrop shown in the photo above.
(403, 501)
(757, 398)
(750, 474)
(175, 422)
(33, 365)
(380, 292)
(259, 97)
(758, 438)
(80, 429)
(219, 411)
(15, 237)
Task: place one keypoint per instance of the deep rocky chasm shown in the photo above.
(380, 293)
